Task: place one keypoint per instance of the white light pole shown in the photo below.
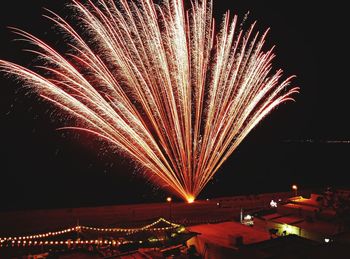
(169, 199)
(295, 188)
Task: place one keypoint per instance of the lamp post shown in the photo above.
(169, 201)
(295, 188)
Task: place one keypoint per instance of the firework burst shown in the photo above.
(159, 83)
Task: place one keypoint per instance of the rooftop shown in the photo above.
(223, 233)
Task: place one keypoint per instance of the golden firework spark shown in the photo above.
(157, 82)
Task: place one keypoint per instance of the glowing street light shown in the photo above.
(169, 199)
(295, 188)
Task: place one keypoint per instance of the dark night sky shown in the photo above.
(41, 167)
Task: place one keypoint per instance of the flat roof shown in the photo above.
(321, 227)
(309, 202)
(271, 216)
(223, 233)
(297, 206)
(290, 220)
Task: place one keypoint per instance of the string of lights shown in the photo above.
(148, 227)
(68, 242)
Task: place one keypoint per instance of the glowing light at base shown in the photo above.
(190, 199)
(158, 83)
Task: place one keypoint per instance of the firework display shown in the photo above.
(164, 85)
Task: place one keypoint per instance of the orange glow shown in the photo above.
(168, 199)
(190, 199)
(294, 187)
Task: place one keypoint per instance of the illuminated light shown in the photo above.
(295, 188)
(273, 204)
(248, 217)
(190, 199)
(168, 199)
(326, 240)
(131, 230)
(182, 229)
(287, 228)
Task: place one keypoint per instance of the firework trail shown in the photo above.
(159, 84)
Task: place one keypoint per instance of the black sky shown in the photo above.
(41, 167)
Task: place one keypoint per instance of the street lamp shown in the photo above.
(295, 188)
(169, 199)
